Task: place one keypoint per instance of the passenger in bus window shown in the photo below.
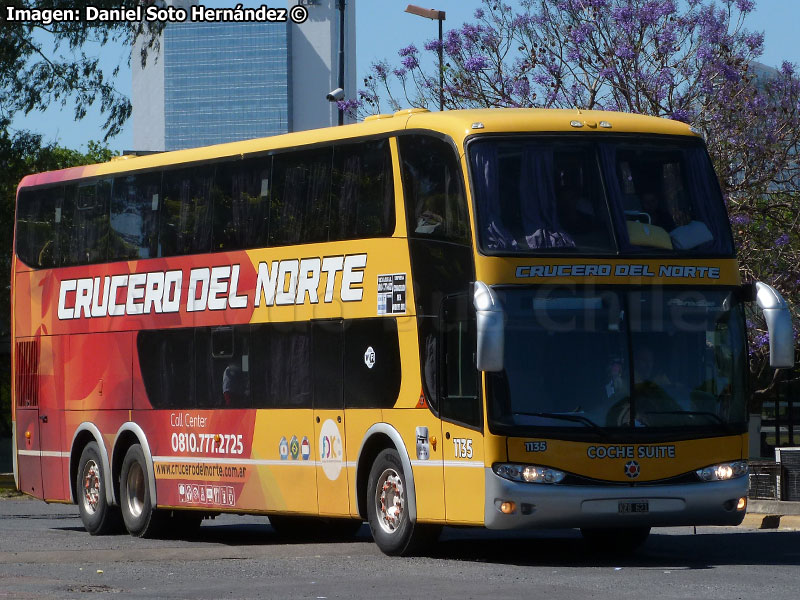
(234, 385)
(428, 222)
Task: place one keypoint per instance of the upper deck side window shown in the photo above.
(38, 224)
(436, 206)
(84, 225)
(334, 192)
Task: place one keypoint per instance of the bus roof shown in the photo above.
(458, 124)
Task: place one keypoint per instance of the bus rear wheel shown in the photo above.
(141, 519)
(618, 541)
(99, 517)
(387, 509)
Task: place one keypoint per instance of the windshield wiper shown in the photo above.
(693, 413)
(565, 417)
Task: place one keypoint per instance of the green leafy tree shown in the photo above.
(54, 64)
(20, 155)
(57, 63)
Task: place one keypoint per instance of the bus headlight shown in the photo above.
(723, 471)
(528, 473)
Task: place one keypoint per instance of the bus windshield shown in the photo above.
(634, 196)
(637, 360)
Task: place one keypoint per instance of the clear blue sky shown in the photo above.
(382, 27)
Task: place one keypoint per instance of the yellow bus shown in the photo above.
(494, 318)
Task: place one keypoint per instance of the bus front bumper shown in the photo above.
(562, 506)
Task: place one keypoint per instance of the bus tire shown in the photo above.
(387, 509)
(141, 519)
(99, 518)
(619, 541)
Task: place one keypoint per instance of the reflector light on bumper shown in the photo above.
(528, 473)
(723, 471)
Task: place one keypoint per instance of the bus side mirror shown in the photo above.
(779, 324)
(489, 328)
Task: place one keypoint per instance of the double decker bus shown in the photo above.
(497, 318)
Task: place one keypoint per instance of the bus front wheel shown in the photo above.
(387, 509)
(99, 518)
(141, 519)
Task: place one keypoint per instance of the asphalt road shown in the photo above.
(44, 552)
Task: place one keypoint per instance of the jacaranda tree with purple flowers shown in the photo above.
(689, 60)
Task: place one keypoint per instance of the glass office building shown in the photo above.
(225, 82)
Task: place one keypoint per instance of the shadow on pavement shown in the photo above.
(671, 549)
(706, 550)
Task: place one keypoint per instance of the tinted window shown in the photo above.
(241, 204)
(196, 368)
(362, 194)
(646, 359)
(281, 365)
(300, 200)
(371, 363)
(328, 364)
(434, 193)
(222, 359)
(553, 195)
(168, 367)
(135, 202)
(84, 224)
(273, 365)
(539, 195)
(332, 193)
(460, 399)
(185, 226)
(669, 197)
(38, 217)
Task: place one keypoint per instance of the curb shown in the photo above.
(781, 522)
(773, 507)
(772, 514)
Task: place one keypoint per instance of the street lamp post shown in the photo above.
(436, 15)
(341, 7)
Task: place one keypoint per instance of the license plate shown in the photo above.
(634, 507)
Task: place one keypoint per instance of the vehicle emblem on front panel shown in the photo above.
(632, 469)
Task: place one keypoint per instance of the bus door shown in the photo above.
(327, 359)
(462, 414)
(29, 463)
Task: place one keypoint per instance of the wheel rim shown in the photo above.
(390, 501)
(91, 486)
(135, 491)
